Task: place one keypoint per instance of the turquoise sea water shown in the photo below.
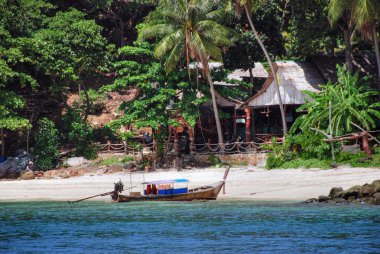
(188, 227)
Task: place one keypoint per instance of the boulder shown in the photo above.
(130, 166)
(366, 190)
(75, 161)
(336, 192)
(311, 200)
(367, 200)
(353, 191)
(376, 198)
(27, 175)
(323, 198)
(376, 186)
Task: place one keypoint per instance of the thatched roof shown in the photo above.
(257, 72)
(293, 77)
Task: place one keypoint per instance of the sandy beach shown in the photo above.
(242, 183)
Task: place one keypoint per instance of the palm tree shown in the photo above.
(190, 28)
(366, 15)
(341, 13)
(249, 6)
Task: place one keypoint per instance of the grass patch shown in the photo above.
(306, 163)
(115, 160)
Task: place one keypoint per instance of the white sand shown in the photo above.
(242, 183)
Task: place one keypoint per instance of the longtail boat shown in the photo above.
(170, 190)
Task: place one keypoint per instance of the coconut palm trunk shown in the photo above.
(376, 42)
(285, 129)
(206, 71)
(348, 50)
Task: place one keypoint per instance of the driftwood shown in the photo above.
(364, 135)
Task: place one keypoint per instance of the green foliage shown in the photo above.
(115, 160)
(9, 119)
(309, 32)
(97, 102)
(46, 148)
(310, 145)
(191, 29)
(279, 153)
(306, 163)
(71, 47)
(360, 159)
(267, 20)
(215, 161)
(350, 102)
(158, 91)
(79, 133)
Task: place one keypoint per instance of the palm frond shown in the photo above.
(336, 10)
(174, 57)
(167, 43)
(157, 30)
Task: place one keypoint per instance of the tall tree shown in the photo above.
(250, 6)
(366, 16)
(341, 13)
(189, 28)
(305, 38)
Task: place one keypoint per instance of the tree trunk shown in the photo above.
(214, 106)
(348, 50)
(87, 111)
(285, 129)
(376, 42)
(250, 75)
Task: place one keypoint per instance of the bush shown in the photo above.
(80, 133)
(279, 153)
(307, 163)
(311, 145)
(46, 149)
(273, 162)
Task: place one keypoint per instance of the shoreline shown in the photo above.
(243, 183)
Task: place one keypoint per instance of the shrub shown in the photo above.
(80, 133)
(46, 148)
(307, 163)
(273, 162)
(311, 145)
(279, 153)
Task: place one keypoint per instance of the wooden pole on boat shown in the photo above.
(224, 178)
(79, 200)
(130, 182)
(99, 195)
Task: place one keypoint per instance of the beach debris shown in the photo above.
(358, 194)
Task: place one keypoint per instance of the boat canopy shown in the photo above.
(167, 181)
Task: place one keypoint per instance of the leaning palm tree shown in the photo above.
(341, 13)
(190, 28)
(366, 15)
(249, 6)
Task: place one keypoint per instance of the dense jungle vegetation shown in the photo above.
(50, 49)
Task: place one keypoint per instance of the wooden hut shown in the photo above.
(293, 78)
